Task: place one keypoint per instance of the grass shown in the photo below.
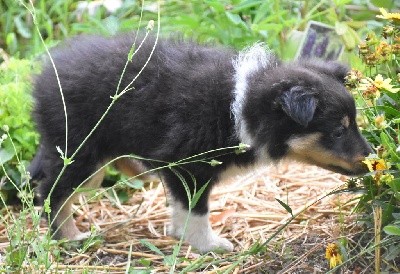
(238, 213)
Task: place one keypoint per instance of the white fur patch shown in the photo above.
(233, 171)
(248, 61)
(199, 233)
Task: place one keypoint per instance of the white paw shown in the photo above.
(204, 240)
(80, 236)
(199, 233)
(213, 243)
(176, 232)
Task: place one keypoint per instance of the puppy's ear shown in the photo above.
(332, 68)
(299, 104)
(337, 69)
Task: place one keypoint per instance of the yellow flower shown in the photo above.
(332, 254)
(387, 31)
(395, 17)
(379, 167)
(375, 164)
(380, 122)
(379, 83)
(369, 90)
(353, 78)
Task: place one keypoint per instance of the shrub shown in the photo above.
(378, 94)
(15, 120)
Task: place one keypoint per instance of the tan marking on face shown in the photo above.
(346, 121)
(308, 149)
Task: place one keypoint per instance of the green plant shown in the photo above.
(58, 20)
(25, 243)
(26, 247)
(236, 23)
(378, 95)
(15, 116)
(239, 23)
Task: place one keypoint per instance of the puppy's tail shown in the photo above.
(37, 174)
(35, 168)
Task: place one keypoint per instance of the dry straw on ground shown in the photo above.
(244, 210)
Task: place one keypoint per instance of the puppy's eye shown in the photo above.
(338, 132)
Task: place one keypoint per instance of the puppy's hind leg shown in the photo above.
(63, 195)
(134, 169)
(66, 222)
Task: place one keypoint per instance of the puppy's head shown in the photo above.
(303, 111)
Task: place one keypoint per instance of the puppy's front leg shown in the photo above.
(198, 232)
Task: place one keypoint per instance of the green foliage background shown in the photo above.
(15, 105)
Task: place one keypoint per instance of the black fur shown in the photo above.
(299, 104)
(162, 118)
(180, 106)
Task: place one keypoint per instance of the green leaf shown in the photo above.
(5, 155)
(197, 195)
(46, 206)
(356, 24)
(216, 5)
(349, 36)
(247, 5)
(215, 163)
(392, 230)
(234, 18)
(169, 260)
(131, 52)
(341, 2)
(387, 4)
(12, 42)
(349, 39)
(340, 28)
(68, 161)
(262, 11)
(144, 262)
(396, 120)
(390, 145)
(111, 24)
(135, 184)
(242, 148)
(151, 247)
(389, 110)
(396, 216)
(123, 196)
(394, 184)
(285, 206)
(355, 35)
(22, 28)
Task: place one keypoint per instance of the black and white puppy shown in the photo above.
(189, 99)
